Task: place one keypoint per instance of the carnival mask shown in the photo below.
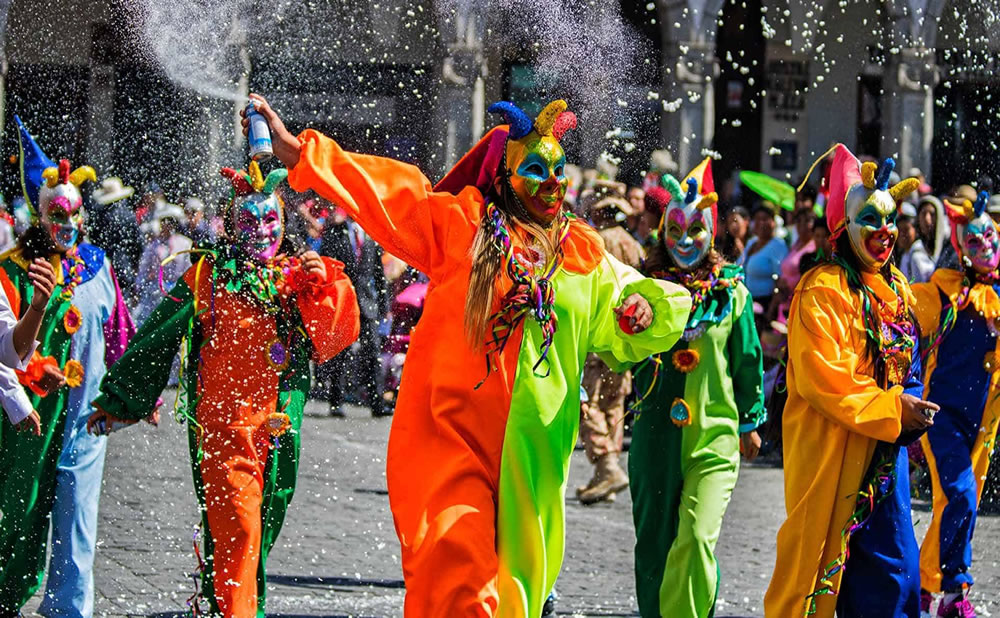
(691, 218)
(256, 212)
(688, 227)
(535, 161)
(61, 204)
(974, 235)
(870, 214)
(259, 226)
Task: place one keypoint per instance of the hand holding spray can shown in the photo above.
(259, 134)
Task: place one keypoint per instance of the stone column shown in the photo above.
(689, 100)
(461, 104)
(908, 112)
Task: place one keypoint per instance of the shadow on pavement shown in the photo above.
(311, 581)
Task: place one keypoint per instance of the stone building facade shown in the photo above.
(768, 84)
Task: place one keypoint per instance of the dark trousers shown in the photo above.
(356, 368)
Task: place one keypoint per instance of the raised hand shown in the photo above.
(635, 313)
(285, 145)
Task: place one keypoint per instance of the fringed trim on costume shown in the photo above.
(531, 295)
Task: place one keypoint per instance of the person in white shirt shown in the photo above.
(18, 342)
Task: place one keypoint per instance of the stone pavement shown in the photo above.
(338, 553)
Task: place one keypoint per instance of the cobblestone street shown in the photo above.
(338, 553)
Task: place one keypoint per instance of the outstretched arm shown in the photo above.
(392, 201)
(133, 384)
(328, 306)
(669, 304)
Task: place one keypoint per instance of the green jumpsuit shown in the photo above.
(683, 476)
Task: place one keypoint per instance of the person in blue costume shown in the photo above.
(55, 477)
(958, 311)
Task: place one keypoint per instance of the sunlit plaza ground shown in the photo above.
(338, 554)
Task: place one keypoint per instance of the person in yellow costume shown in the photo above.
(957, 311)
(847, 545)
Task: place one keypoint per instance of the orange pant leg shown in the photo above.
(444, 507)
(233, 474)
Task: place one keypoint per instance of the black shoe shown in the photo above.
(337, 412)
(549, 609)
(382, 413)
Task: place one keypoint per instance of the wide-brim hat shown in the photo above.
(607, 194)
(112, 190)
(165, 210)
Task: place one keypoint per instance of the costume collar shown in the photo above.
(982, 296)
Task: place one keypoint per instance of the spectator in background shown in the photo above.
(655, 200)
(153, 196)
(803, 219)
(734, 234)
(7, 236)
(914, 261)
(993, 208)
(821, 240)
(344, 240)
(198, 227)
(637, 200)
(763, 255)
(165, 223)
(112, 226)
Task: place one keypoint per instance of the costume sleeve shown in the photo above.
(329, 311)
(927, 307)
(12, 396)
(131, 387)
(833, 381)
(746, 366)
(913, 385)
(8, 320)
(119, 328)
(392, 201)
(670, 302)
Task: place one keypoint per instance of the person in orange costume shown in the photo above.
(252, 317)
(479, 449)
(853, 379)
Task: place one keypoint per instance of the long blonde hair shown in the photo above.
(488, 261)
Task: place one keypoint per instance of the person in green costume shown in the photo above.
(699, 404)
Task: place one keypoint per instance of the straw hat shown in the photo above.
(112, 190)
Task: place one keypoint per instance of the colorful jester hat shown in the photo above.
(973, 233)
(254, 218)
(528, 152)
(52, 192)
(862, 203)
(691, 219)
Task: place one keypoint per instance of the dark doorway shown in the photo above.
(869, 123)
(739, 109)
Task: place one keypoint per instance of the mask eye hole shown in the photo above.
(560, 169)
(675, 231)
(535, 169)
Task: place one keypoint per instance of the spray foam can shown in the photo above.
(259, 135)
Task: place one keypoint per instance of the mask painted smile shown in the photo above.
(260, 226)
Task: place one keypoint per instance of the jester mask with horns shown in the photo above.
(534, 164)
(864, 205)
(52, 191)
(690, 220)
(973, 234)
(255, 217)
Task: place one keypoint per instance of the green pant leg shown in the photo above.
(655, 483)
(693, 582)
(279, 487)
(207, 583)
(27, 492)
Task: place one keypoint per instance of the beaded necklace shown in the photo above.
(531, 295)
(700, 289)
(73, 267)
(894, 337)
